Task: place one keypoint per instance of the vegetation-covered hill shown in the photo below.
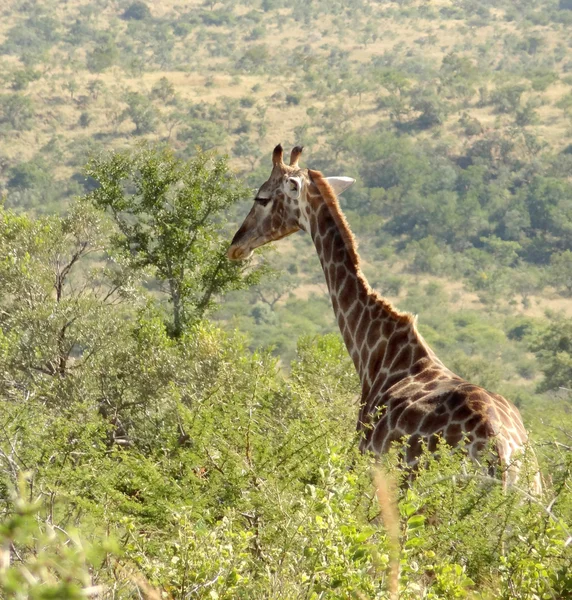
(177, 425)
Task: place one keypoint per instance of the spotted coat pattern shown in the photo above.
(407, 392)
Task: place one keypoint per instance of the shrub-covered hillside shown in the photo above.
(178, 426)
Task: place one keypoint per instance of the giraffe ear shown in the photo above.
(340, 184)
(293, 187)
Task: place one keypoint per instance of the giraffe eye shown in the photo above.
(262, 201)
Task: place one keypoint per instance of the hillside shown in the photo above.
(179, 426)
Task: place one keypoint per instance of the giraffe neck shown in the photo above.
(382, 342)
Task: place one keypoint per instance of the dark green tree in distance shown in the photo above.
(561, 271)
(57, 317)
(142, 112)
(17, 111)
(167, 211)
(137, 11)
(553, 348)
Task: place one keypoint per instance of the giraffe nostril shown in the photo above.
(233, 253)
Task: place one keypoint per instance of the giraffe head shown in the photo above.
(278, 205)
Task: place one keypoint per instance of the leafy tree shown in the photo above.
(244, 148)
(84, 119)
(137, 11)
(507, 98)
(57, 319)
(142, 112)
(71, 86)
(561, 271)
(458, 75)
(95, 87)
(206, 134)
(166, 210)
(163, 89)
(553, 348)
(254, 58)
(17, 110)
(103, 56)
(32, 174)
(23, 77)
(428, 103)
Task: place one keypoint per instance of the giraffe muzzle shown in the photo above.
(238, 253)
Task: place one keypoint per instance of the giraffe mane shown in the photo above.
(331, 202)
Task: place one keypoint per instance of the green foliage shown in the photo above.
(17, 111)
(103, 56)
(163, 89)
(141, 111)
(138, 11)
(561, 271)
(43, 561)
(553, 347)
(166, 210)
(215, 472)
(221, 469)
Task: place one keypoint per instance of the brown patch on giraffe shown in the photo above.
(433, 423)
(392, 436)
(331, 271)
(432, 385)
(355, 356)
(391, 380)
(418, 367)
(461, 413)
(414, 448)
(473, 422)
(318, 245)
(432, 442)
(327, 250)
(441, 409)
(477, 447)
(409, 420)
(394, 345)
(455, 399)
(417, 396)
(394, 412)
(335, 304)
(372, 335)
(353, 316)
(341, 274)
(376, 360)
(402, 361)
(418, 353)
(380, 432)
(348, 294)
(387, 328)
(426, 375)
(339, 253)
(484, 430)
(314, 224)
(366, 356)
(363, 325)
(454, 434)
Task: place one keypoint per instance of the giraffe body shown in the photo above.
(407, 392)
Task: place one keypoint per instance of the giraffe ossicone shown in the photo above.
(407, 392)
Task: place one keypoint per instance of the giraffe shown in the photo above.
(406, 391)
